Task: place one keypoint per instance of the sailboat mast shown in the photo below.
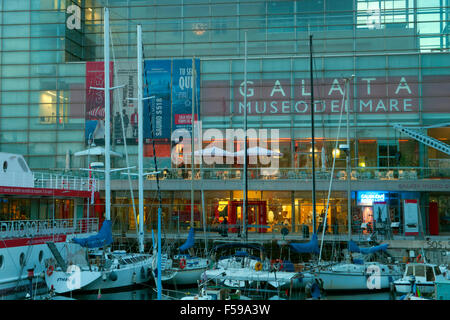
(107, 118)
(192, 142)
(244, 203)
(312, 138)
(140, 139)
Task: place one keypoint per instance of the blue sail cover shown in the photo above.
(102, 238)
(189, 242)
(310, 247)
(353, 247)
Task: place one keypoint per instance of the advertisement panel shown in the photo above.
(411, 213)
(182, 77)
(95, 101)
(157, 84)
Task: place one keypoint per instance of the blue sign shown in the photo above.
(157, 84)
(367, 198)
(182, 77)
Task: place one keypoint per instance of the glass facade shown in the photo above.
(397, 51)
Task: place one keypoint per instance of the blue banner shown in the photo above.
(182, 93)
(158, 81)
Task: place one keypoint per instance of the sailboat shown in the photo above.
(359, 274)
(102, 268)
(184, 268)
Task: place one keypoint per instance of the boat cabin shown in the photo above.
(423, 271)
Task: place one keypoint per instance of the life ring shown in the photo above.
(258, 266)
(182, 263)
(50, 270)
(278, 264)
(419, 259)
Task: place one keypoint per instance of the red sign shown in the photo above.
(11, 243)
(95, 99)
(367, 95)
(44, 192)
(184, 118)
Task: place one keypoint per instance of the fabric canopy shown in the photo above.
(213, 152)
(310, 247)
(102, 238)
(258, 151)
(96, 151)
(353, 247)
(189, 242)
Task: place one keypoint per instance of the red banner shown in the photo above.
(95, 99)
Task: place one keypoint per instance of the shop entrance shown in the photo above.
(256, 216)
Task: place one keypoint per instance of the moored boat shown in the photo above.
(36, 208)
(422, 275)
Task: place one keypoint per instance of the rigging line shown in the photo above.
(152, 135)
(124, 139)
(332, 174)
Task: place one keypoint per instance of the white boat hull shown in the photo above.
(404, 287)
(125, 278)
(63, 282)
(93, 280)
(369, 276)
(240, 277)
(185, 277)
(351, 281)
(13, 278)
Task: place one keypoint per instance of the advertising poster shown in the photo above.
(182, 76)
(95, 101)
(411, 211)
(157, 84)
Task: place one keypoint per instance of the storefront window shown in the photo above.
(409, 153)
(367, 153)
(337, 212)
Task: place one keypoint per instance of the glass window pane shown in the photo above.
(419, 271)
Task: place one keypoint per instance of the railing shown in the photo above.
(359, 173)
(48, 180)
(39, 228)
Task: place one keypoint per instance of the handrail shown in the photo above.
(264, 173)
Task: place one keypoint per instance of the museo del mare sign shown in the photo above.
(367, 95)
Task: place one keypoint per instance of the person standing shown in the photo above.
(134, 123)
(117, 126)
(126, 121)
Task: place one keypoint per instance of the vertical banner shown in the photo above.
(95, 101)
(182, 93)
(158, 80)
(411, 213)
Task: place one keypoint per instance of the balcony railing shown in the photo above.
(50, 180)
(359, 173)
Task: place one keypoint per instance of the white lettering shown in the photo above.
(250, 91)
(277, 88)
(403, 85)
(74, 20)
(304, 93)
(335, 86)
(368, 83)
(380, 105)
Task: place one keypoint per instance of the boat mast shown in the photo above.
(244, 203)
(192, 143)
(312, 138)
(140, 139)
(107, 117)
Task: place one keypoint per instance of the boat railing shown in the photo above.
(48, 180)
(47, 227)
